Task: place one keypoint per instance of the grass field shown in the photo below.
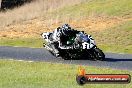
(97, 8)
(33, 10)
(16, 74)
(108, 21)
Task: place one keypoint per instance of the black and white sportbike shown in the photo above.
(83, 47)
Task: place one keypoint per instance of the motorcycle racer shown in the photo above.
(62, 38)
(68, 43)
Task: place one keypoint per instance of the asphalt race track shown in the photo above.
(117, 61)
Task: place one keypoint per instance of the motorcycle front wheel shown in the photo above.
(99, 55)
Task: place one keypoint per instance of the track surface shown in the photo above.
(117, 61)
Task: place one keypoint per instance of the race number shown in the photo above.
(85, 45)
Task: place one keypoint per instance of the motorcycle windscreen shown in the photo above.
(84, 38)
(87, 43)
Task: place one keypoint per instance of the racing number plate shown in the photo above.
(86, 45)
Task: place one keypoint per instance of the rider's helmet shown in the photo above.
(65, 29)
(66, 26)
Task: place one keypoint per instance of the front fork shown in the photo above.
(90, 52)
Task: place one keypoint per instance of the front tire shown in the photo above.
(99, 55)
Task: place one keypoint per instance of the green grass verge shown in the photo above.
(37, 43)
(15, 74)
(116, 48)
(22, 42)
